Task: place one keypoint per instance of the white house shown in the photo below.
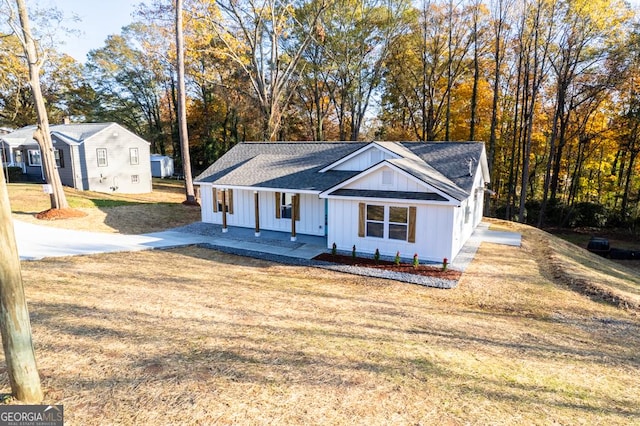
(411, 197)
(103, 157)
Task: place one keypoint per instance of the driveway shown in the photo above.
(37, 241)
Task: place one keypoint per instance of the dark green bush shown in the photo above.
(586, 214)
(13, 174)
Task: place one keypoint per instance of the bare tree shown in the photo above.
(42, 134)
(536, 41)
(182, 109)
(15, 326)
(267, 40)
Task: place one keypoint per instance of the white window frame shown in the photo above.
(404, 224)
(101, 157)
(386, 222)
(134, 157)
(32, 155)
(135, 178)
(374, 222)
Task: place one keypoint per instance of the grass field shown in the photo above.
(124, 213)
(543, 334)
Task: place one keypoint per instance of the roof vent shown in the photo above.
(471, 160)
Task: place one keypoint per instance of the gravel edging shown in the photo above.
(355, 270)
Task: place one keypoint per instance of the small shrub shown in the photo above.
(334, 249)
(13, 174)
(416, 262)
(588, 215)
(376, 256)
(397, 258)
(445, 263)
(353, 251)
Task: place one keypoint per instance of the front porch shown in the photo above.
(271, 242)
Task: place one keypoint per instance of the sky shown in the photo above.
(100, 18)
(97, 20)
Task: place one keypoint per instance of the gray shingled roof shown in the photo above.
(79, 131)
(295, 165)
(451, 159)
(429, 175)
(286, 165)
(75, 133)
(23, 136)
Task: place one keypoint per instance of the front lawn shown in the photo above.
(125, 213)
(194, 336)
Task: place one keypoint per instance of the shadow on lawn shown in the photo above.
(281, 356)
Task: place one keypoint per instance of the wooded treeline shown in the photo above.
(551, 86)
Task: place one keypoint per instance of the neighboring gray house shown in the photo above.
(103, 157)
(415, 198)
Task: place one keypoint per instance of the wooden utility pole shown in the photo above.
(42, 134)
(182, 109)
(15, 325)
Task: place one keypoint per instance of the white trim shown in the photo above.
(376, 167)
(407, 201)
(258, 188)
(372, 145)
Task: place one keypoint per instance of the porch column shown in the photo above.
(256, 202)
(224, 210)
(294, 215)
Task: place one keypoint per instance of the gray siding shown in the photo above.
(118, 175)
(66, 171)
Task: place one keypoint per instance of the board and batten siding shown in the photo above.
(364, 160)
(398, 182)
(433, 231)
(465, 223)
(312, 212)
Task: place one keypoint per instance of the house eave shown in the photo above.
(257, 188)
(358, 152)
(377, 166)
(412, 201)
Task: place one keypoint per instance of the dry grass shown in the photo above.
(193, 336)
(123, 213)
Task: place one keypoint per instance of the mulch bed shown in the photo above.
(58, 214)
(405, 268)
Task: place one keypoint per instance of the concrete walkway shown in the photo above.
(38, 241)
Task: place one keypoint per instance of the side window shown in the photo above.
(59, 156)
(101, 154)
(134, 159)
(34, 157)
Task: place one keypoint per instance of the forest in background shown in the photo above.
(550, 86)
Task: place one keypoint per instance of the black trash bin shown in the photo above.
(599, 246)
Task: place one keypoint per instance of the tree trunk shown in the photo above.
(42, 134)
(182, 109)
(15, 326)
